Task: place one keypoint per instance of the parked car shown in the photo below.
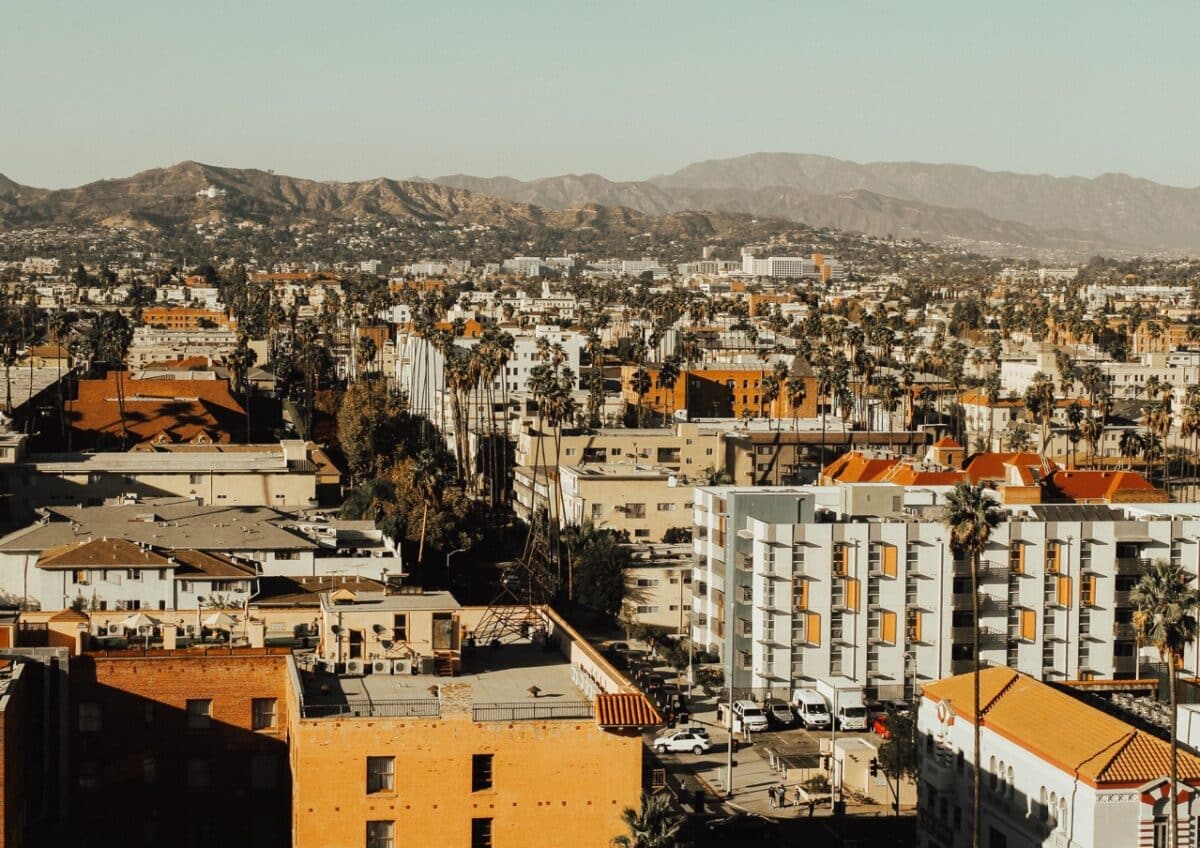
(682, 740)
(620, 647)
(811, 708)
(751, 715)
(880, 726)
(780, 714)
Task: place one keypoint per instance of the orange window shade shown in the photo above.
(914, 625)
(852, 594)
(1087, 590)
(812, 628)
(1064, 591)
(889, 560)
(1028, 624)
(887, 627)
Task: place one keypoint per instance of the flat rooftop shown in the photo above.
(494, 684)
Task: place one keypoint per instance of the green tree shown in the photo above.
(1164, 615)
(599, 558)
(655, 825)
(971, 516)
(371, 421)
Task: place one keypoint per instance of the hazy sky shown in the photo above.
(350, 90)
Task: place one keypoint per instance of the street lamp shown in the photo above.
(448, 556)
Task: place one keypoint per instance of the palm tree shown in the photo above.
(655, 825)
(641, 386)
(59, 325)
(1164, 615)
(1130, 445)
(240, 360)
(668, 376)
(970, 516)
(1039, 403)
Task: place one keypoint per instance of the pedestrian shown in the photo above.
(799, 795)
(770, 797)
(812, 806)
(782, 795)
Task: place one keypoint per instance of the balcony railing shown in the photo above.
(524, 710)
(1124, 631)
(1132, 565)
(369, 708)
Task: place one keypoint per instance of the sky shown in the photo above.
(357, 89)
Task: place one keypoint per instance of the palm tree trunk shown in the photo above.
(976, 712)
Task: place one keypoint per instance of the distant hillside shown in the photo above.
(166, 198)
(934, 202)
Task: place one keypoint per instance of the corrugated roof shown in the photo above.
(625, 709)
(1063, 731)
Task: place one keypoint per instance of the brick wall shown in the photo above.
(145, 776)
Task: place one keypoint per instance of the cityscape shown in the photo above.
(822, 499)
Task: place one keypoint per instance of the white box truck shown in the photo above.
(845, 699)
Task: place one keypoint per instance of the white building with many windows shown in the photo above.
(802, 583)
(1055, 771)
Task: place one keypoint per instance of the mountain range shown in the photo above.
(1000, 212)
(901, 199)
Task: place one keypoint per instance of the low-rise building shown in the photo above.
(658, 586)
(1054, 770)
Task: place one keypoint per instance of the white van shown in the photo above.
(811, 708)
(750, 715)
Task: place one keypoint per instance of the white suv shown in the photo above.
(751, 715)
(682, 740)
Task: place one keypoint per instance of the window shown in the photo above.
(647, 609)
(481, 772)
(89, 718)
(79, 577)
(647, 582)
(199, 714)
(263, 772)
(400, 628)
(381, 774)
(196, 479)
(199, 775)
(382, 834)
(887, 627)
(134, 574)
(263, 713)
(667, 507)
(481, 833)
(597, 511)
(89, 775)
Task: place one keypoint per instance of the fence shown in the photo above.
(365, 708)
(523, 711)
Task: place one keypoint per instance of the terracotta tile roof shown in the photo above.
(625, 709)
(69, 615)
(180, 409)
(92, 553)
(1112, 486)
(947, 442)
(1062, 730)
(853, 467)
(985, 467)
(903, 474)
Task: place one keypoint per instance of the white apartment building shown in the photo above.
(1055, 771)
(800, 583)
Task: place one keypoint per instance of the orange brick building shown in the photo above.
(184, 317)
(181, 748)
(717, 393)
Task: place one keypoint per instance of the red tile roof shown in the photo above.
(1111, 486)
(947, 442)
(94, 553)
(182, 410)
(1062, 730)
(990, 467)
(625, 709)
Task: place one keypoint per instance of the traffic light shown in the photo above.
(875, 767)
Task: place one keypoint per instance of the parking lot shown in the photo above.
(761, 760)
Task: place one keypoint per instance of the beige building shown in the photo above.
(289, 474)
(687, 448)
(644, 501)
(659, 586)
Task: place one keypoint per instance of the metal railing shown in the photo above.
(526, 711)
(364, 708)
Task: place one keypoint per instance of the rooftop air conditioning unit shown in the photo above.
(402, 666)
(189, 629)
(354, 668)
(381, 667)
(114, 629)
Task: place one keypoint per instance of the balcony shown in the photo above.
(745, 562)
(1132, 565)
(1124, 631)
